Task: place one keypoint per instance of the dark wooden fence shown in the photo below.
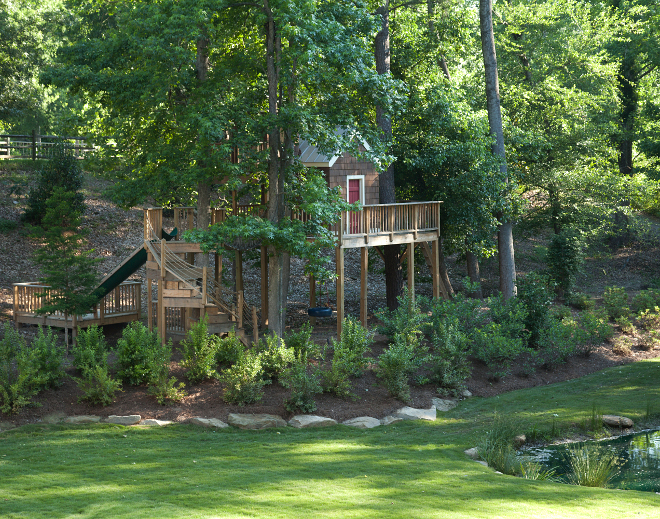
(36, 146)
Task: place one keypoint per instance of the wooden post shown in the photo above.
(16, 303)
(390, 220)
(365, 223)
(264, 287)
(312, 297)
(239, 271)
(150, 305)
(364, 270)
(74, 328)
(204, 283)
(255, 325)
(415, 221)
(190, 256)
(34, 144)
(161, 289)
(138, 301)
(340, 289)
(411, 271)
(435, 270)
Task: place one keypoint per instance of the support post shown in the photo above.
(312, 297)
(255, 325)
(340, 290)
(411, 271)
(239, 297)
(34, 144)
(161, 289)
(239, 271)
(150, 305)
(204, 283)
(364, 271)
(435, 269)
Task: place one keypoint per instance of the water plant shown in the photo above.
(591, 466)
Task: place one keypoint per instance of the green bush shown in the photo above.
(48, 358)
(91, 349)
(304, 386)
(407, 318)
(497, 350)
(349, 352)
(534, 292)
(7, 225)
(244, 382)
(19, 377)
(230, 350)
(199, 353)
(61, 171)
(558, 342)
(97, 385)
(336, 380)
(615, 301)
(622, 346)
(303, 346)
(462, 310)
(560, 312)
(510, 316)
(597, 329)
(141, 357)
(450, 367)
(565, 258)
(645, 300)
(580, 301)
(398, 363)
(649, 319)
(275, 357)
(166, 390)
(625, 325)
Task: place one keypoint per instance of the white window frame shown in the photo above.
(361, 179)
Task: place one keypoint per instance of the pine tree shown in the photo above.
(65, 265)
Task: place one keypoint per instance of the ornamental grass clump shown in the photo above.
(591, 466)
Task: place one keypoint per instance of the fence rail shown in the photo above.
(36, 146)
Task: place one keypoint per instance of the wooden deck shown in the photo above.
(121, 305)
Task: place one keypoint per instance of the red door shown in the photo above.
(354, 196)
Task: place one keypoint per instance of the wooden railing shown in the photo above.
(36, 146)
(126, 298)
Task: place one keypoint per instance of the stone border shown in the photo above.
(261, 421)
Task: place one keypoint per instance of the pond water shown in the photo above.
(639, 455)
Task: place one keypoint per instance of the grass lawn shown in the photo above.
(403, 470)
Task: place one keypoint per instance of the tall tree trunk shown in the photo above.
(442, 61)
(203, 187)
(629, 104)
(472, 262)
(505, 232)
(276, 279)
(386, 194)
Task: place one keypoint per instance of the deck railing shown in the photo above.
(126, 298)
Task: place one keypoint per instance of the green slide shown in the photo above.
(127, 267)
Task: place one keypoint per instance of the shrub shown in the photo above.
(199, 353)
(304, 347)
(244, 380)
(560, 312)
(565, 258)
(19, 376)
(615, 301)
(141, 356)
(97, 385)
(558, 341)
(230, 349)
(166, 390)
(48, 358)
(533, 291)
(275, 357)
(398, 363)
(304, 385)
(61, 171)
(6, 225)
(622, 346)
(91, 349)
(407, 318)
(649, 319)
(625, 325)
(591, 466)
(464, 311)
(580, 301)
(510, 316)
(450, 367)
(496, 350)
(651, 341)
(350, 350)
(646, 300)
(597, 329)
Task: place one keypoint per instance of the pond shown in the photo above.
(639, 455)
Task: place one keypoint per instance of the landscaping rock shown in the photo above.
(208, 422)
(255, 421)
(388, 420)
(130, 419)
(482, 462)
(57, 417)
(154, 422)
(5, 426)
(83, 418)
(363, 422)
(617, 421)
(410, 413)
(472, 453)
(443, 405)
(466, 393)
(301, 421)
(519, 440)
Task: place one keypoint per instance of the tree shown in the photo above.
(67, 268)
(505, 233)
